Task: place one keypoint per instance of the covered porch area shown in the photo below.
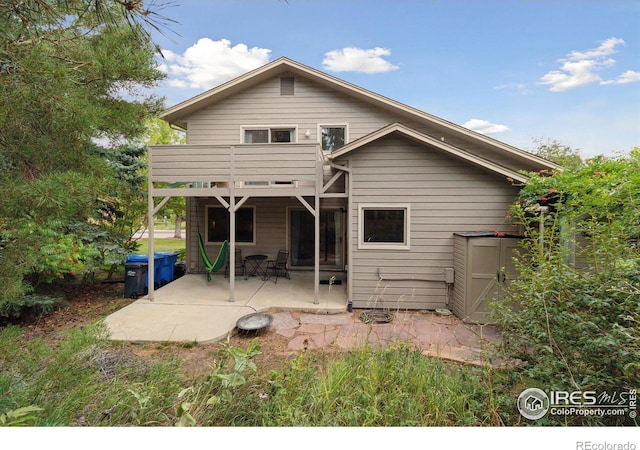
(190, 309)
(259, 179)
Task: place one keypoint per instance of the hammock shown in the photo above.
(220, 260)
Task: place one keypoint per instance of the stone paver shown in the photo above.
(351, 341)
(287, 332)
(326, 339)
(325, 319)
(283, 320)
(443, 337)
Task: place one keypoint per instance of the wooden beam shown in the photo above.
(161, 204)
(311, 209)
(222, 201)
(241, 202)
(333, 179)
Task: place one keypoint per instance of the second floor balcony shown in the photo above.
(246, 169)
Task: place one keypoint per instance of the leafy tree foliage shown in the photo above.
(573, 319)
(122, 210)
(561, 154)
(160, 133)
(71, 72)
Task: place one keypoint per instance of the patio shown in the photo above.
(191, 310)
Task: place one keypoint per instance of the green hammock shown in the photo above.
(220, 260)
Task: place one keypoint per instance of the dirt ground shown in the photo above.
(86, 304)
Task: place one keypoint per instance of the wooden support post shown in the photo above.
(232, 247)
(151, 228)
(316, 256)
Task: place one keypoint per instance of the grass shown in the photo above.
(85, 379)
(162, 245)
(75, 382)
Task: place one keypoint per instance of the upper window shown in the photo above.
(266, 135)
(256, 136)
(218, 225)
(333, 137)
(283, 135)
(384, 226)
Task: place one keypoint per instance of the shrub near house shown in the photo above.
(575, 323)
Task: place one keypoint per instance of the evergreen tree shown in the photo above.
(71, 72)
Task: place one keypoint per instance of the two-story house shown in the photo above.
(346, 180)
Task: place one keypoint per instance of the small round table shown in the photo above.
(255, 265)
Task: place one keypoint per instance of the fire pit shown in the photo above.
(254, 322)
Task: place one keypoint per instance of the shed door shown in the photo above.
(484, 265)
(492, 268)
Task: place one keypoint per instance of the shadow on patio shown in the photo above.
(191, 310)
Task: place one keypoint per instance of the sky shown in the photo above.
(522, 72)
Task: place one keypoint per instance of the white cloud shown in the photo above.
(352, 59)
(208, 63)
(606, 48)
(485, 127)
(581, 68)
(629, 76)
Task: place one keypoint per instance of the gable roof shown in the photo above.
(422, 138)
(451, 132)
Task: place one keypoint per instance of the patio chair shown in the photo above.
(278, 266)
(240, 265)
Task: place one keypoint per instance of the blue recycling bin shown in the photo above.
(166, 274)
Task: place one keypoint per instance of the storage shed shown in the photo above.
(484, 265)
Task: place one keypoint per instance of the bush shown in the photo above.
(572, 318)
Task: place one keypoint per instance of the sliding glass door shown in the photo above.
(301, 238)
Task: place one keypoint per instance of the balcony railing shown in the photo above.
(243, 166)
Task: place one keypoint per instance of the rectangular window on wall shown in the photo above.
(268, 135)
(218, 225)
(333, 137)
(383, 226)
(256, 136)
(283, 135)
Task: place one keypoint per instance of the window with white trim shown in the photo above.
(383, 226)
(218, 225)
(332, 137)
(268, 135)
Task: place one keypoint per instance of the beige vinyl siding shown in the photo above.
(263, 105)
(446, 196)
(311, 105)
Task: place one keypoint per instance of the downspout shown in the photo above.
(348, 231)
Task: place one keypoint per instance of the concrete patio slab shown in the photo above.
(190, 309)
